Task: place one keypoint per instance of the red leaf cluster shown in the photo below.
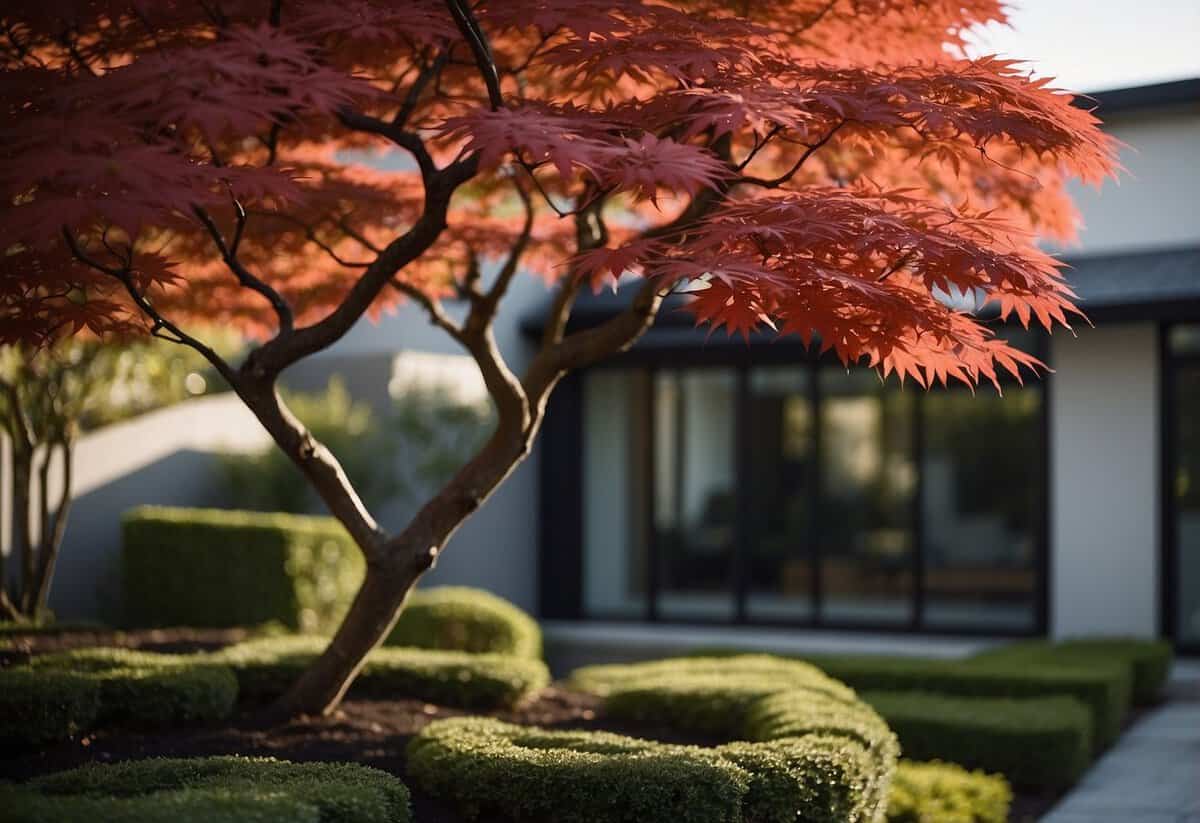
(834, 169)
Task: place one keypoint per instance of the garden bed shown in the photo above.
(371, 732)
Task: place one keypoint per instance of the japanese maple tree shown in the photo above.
(833, 169)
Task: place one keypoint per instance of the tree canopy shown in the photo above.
(833, 168)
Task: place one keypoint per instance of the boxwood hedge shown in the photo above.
(804, 748)
(58, 695)
(1148, 661)
(1036, 742)
(468, 620)
(211, 790)
(1104, 690)
(945, 793)
(266, 667)
(217, 568)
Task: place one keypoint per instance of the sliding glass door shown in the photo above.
(1182, 419)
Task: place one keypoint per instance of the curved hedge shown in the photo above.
(463, 619)
(266, 667)
(945, 793)
(805, 748)
(59, 695)
(211, 790)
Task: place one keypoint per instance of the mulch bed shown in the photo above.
(372, 732)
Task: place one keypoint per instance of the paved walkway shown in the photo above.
(1152, 775)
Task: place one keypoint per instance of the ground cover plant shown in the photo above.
(945, 793)
(827, 170)
(211, 790)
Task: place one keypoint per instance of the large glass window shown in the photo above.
(981, 504)
(781, 485)
(695, 492)
(615, 489)
(1184, 492)
(807, 494)
(868, 476)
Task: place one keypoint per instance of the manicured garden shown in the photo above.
(455, 718)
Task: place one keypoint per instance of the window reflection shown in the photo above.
(780, 487)
(695, 502)
(615, 488)
(868, 477)
(1186, 492)
(982, 483)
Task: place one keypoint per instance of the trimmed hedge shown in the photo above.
(463, 619)
(218, 569)
(945, 793)
(211, 790)
(266, 667)
(804, 741)
(1105, 691)
(1037, 742)
(59, 695)
(491, 770)
(1148, 661)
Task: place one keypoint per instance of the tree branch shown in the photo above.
(469, 27)
(790, 173)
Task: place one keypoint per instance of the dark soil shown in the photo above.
(372, 732)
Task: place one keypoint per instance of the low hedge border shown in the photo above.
(806, 748)
(59, 695)
(1148, 661)
(266, 667)
(944, 793)
(1036, 742)
(1104, 690)
(458, 618)
(211, 790)
(214, 568)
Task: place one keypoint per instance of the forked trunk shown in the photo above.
(392, 575)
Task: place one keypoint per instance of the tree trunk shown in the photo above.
(392, 574)
(370, 618)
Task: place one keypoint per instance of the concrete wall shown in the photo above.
(166, 457)
(1104, 431)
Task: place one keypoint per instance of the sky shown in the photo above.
(1093, 45)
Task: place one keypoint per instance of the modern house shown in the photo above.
(699, 481)
(700, 490)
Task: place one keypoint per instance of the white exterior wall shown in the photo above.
(1104, 504)
(1153, 203)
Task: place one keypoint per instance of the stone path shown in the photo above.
(1152, 775)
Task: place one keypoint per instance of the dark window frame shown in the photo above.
(1170, 363)
(561, 534)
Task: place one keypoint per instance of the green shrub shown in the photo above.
(808, 742)
(43, 707)
(467, 620)
(267, 666)
(945, 793)
(1105, 691)
(491, 769)
(216, 568)
(1148, 661)
(211, 790)
(58, 695)
(1039, 742)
